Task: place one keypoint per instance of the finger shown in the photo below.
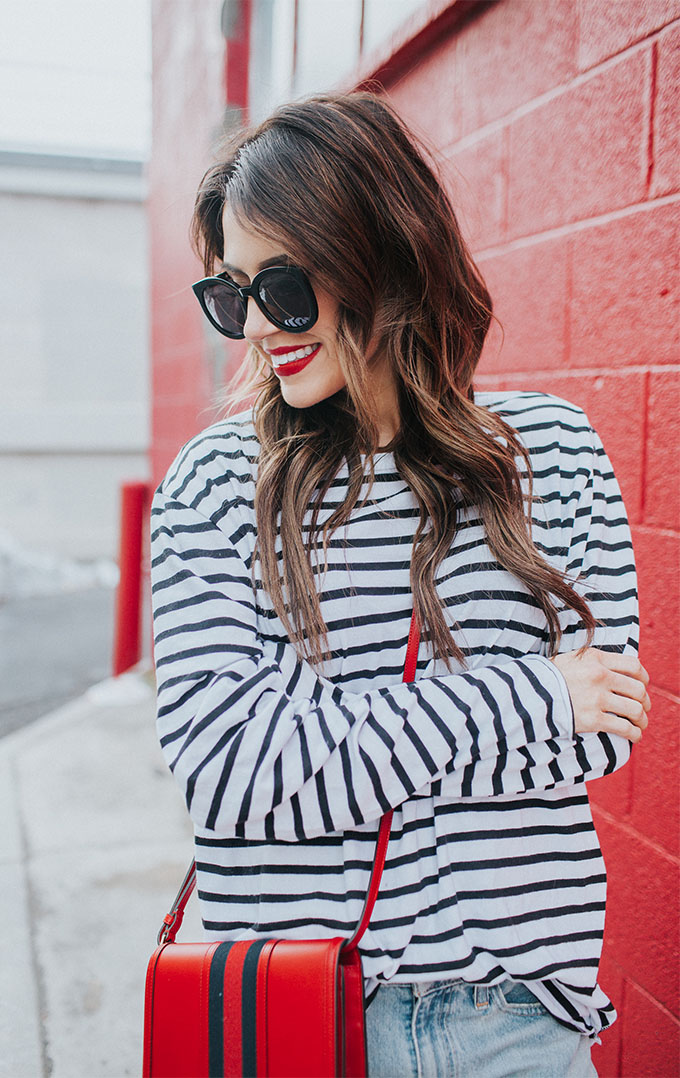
(623, 664)
(617, 725)
(626, 708)
(624, 685)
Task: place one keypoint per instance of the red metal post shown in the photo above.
(127, 647)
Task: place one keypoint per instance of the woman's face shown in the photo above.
(315, 373)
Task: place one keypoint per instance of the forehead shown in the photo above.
(244, 248)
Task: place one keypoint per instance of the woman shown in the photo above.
(291, 544)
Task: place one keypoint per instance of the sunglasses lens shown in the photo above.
(225, 307)
(287, 300)
(284, 295)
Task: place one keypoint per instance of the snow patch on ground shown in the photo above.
(25, 572)
(128, 688)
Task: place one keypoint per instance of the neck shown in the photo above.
(387, 405)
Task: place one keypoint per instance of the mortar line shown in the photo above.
(632, 832)
(644, 450)
(581, 78)
(580, 225)
(651, 116)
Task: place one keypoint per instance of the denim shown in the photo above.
(450, 1028)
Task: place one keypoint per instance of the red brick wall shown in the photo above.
(558, 125)
(193, 81)
(185, 107)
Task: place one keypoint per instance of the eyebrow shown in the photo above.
(277, 260)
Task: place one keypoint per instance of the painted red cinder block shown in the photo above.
(476, 182)
(180, 376)
(511, 54)
(171, 282)
(657, 555)
(621, 428)
(233, 353)
(642, 909)
(650, 1036)
(485, 382)
(610, 27)
(614, 793)
(662, 471)
(176, 323)
(164, 452)
(188, 112)
(175, 422)
(184, 378)
(582, 153)
(655, 771)
(181, 417)
(626, 291)
(607, 1055)
(666, 147)
(429, 99)
(529, 288)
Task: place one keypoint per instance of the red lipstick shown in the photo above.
(295, 365)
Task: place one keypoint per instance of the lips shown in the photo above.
(299, 359)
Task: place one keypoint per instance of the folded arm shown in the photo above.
(264, 747)
(606, 682)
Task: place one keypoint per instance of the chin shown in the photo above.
(307, 396)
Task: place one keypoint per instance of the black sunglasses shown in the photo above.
(283, 294)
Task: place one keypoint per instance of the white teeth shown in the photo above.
(299, 353)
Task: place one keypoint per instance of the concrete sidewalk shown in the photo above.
(94, 842)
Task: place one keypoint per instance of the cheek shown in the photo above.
(330, 370)
(329, 313)
(335, 379)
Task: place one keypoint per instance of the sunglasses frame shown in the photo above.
(251, 291)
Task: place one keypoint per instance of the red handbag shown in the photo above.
(265, 1007)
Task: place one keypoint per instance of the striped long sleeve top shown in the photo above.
(493, 868)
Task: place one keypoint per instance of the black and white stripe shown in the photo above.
(493, 867)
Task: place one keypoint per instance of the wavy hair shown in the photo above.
(344, 187)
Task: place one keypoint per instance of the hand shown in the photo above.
(608, 691)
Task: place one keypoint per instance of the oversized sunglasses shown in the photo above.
(283, 294)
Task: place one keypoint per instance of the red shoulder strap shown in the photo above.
(386, 821)
(173, 920)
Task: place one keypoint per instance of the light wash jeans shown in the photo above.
(450, 1029)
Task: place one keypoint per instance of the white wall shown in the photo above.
(74, 355)
(76, 74)
(315, 50)
(74, 369)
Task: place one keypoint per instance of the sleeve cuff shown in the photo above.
(563, 714)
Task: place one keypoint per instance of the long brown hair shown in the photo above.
(343, 186)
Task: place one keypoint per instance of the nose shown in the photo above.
(256, 326)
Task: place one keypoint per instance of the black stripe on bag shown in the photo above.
(216, 1011)
(249, 1010)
